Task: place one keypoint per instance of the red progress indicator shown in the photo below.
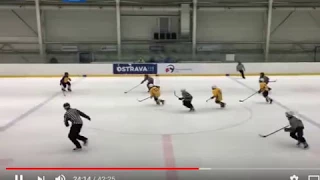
(106, 169)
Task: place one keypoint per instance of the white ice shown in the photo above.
(125, 132)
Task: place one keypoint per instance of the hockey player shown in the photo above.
(264, 89)
(149, 79)
(241, 69)
(65, 82)
(187, 99)
(217, 93)
(296, 129)
(155, 93)
(74, 115)
(264, 78)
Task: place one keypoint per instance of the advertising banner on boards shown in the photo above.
(135, 69)
(175, 68)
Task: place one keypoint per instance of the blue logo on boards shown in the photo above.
(135, 69)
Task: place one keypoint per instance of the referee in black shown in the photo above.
(73, 115)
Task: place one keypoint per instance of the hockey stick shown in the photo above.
(176, 94)
(264, 136)
(143, 99)
(273, 81)
(208, 99)
(132, 89)
(248, 97)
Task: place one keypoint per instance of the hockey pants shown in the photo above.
(65, 85)
(74, 135)
(242, 74)
(298, 135)
(187, 104)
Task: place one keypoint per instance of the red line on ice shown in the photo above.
(169, 158)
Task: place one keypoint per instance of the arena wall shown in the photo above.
(190, 69)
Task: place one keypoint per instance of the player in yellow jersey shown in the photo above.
(217, 93)
(264, 89)
(155, 93)
(65, 82)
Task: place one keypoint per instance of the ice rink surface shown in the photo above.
(127, 133)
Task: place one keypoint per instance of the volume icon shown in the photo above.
(41, 178)
(61, 177)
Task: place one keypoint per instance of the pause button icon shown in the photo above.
(18, 177)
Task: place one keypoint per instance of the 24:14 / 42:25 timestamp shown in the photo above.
(94, 178)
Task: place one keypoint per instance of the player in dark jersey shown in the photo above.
(149, 79)
(296, 129)
(187, 99)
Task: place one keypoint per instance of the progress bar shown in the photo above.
(107, 169)
(151, 169)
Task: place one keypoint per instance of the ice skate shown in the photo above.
(85, 143)
(305, 145)
(270, 101)
(223, 105)
(77, 149)
(299, 143)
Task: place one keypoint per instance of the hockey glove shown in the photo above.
(180, 99)
(89, 118)
(287, 129)
(259, 91)
(210, 98)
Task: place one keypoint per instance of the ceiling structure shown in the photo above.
(206, 3)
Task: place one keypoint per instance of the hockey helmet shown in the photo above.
(183, 90)
(289, 113)
(214, 87)
(66, 105)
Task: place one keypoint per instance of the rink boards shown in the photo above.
(176, 69)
